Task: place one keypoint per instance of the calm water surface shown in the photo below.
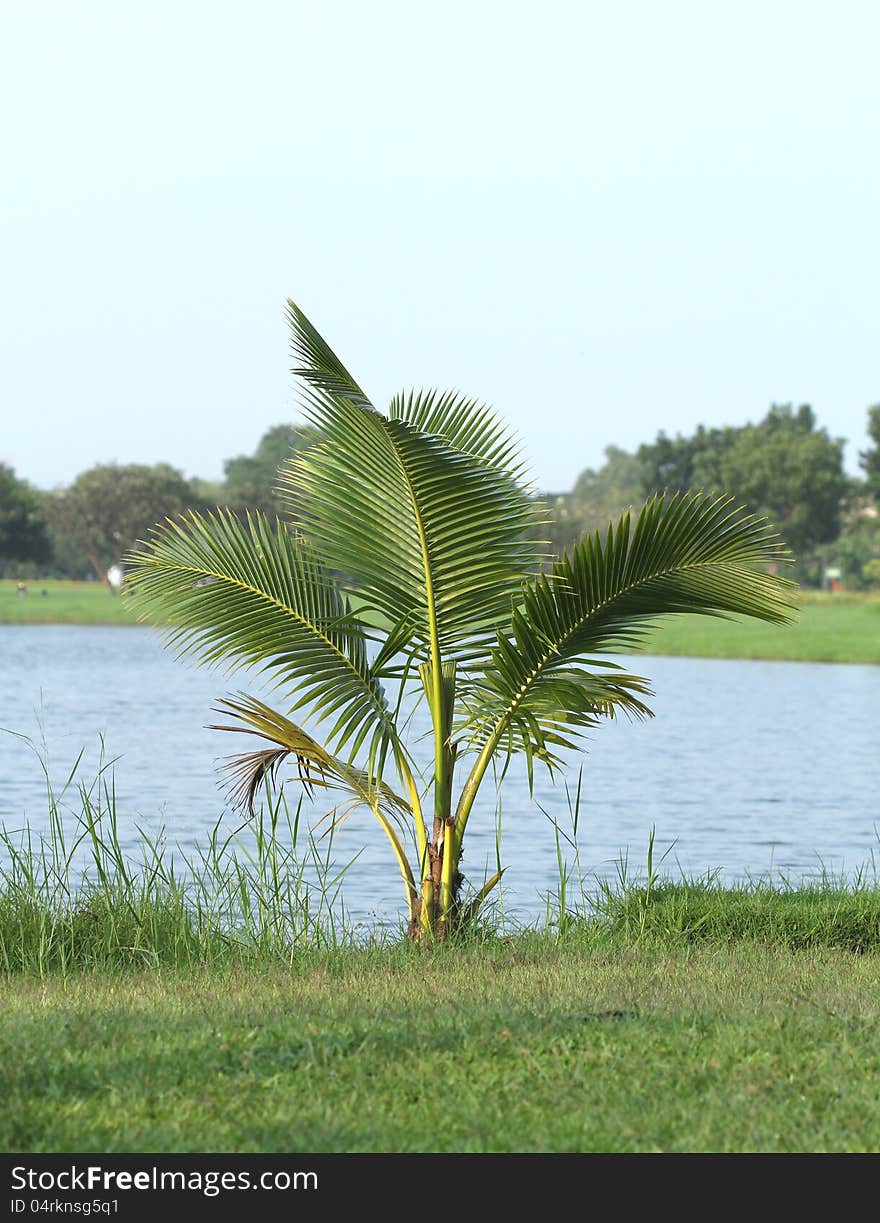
(750, 769)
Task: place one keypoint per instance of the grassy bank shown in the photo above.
(233, 1014)
(832, 628)
(539, 1044)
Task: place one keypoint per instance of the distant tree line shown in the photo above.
(81, 531)
(785, 467)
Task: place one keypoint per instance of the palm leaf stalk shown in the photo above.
(408, 568)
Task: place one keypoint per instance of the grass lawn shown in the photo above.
(63, 603)
(832, 628)
(532, 1045)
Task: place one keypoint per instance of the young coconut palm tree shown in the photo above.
(419, 520)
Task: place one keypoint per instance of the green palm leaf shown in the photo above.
(691, 553)
(464, 423)
(431, 525)
(316, 767)
(254, 595)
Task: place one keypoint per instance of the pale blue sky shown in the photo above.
(603, 218)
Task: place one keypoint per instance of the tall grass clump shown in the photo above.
(71, 899)
(827, 912)
(830, 911)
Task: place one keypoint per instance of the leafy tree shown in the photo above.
(110, 507)
(666, 463)
(784, 468)
(207, 493)
(251, 479)
(870, 458)
(425, 510)
(23, 532)
(669, 464)
(855, 552)
(68, 558)
(597, 496)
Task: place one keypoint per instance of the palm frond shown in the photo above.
(685, 554)
(318, 365)
(316, 768)
(432, 525)
(462, 422)
(252, 595)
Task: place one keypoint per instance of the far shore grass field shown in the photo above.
(54, 602)
(841, 627)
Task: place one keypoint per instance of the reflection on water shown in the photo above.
(750, 768)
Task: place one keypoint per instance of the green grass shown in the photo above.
(832, 628)
(824, 914)
(63, 603)
(534, 1045)
(71, 900)
(265, 893)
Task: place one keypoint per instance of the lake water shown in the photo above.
(749, 769)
